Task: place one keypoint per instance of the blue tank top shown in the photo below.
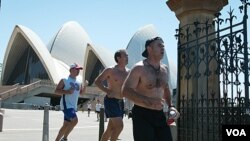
(70, 100)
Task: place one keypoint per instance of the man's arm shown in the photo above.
(128, 91)
(167, 95)
(168, 99)
(59, 89)
(83, 87)
(102, 77)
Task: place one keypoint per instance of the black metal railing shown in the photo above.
(213, 76)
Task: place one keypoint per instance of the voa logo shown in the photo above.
(236, 132)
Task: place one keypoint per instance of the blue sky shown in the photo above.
(109, 23)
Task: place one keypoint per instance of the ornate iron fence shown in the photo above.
(213, 77)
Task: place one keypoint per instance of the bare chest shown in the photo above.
(152, 79)
(118, 77)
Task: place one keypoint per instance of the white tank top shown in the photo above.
(70, 100)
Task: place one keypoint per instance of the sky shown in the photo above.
(109, 23)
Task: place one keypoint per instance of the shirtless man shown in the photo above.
(147, 86)
(113, 101)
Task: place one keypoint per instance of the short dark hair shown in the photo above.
(118, 54)
(148, 42)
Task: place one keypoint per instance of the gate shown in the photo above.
(213, 77)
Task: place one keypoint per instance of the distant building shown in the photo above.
(27, 59)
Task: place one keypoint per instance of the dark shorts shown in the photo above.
(69, 114)
(113, 107)
(150, 125)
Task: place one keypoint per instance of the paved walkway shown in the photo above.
(27, 125)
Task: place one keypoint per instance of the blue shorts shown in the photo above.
(69, 114)
(113, 107)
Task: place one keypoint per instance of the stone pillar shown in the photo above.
(188, 12)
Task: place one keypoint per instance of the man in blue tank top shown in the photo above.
(70, 88)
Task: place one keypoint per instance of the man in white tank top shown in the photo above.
(70, 88)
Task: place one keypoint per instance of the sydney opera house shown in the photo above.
(31, 69)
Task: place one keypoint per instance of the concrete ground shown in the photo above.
(27, 125)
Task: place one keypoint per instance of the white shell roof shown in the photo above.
(72, 40)
(67, 47)
(137, 45)
(20, 34)
(105, 56)
(72, 44)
